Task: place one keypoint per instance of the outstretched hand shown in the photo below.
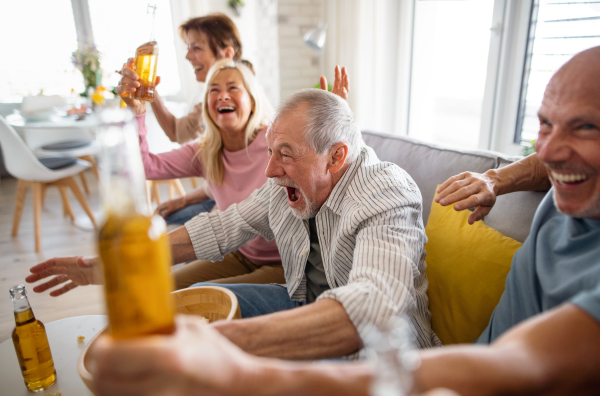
(77, 271)
(340, 84)
(468, 190)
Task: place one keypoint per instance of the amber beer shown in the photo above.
(31, 344)
(133, 245)
(146, 58)
(136, 254)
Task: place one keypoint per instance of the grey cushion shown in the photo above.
(428, 164)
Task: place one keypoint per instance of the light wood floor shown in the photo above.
(59, 238)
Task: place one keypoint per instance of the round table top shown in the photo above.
(58, 122)
(62, 335)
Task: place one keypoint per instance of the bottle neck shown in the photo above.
(22, 309)
(122, 177)
(151, 22)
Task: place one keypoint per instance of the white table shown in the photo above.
(62, 335)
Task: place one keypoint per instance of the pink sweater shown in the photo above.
(244, 172)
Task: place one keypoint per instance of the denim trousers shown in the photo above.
(182, 215)
(256, 300)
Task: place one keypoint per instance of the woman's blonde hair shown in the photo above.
(211, 151)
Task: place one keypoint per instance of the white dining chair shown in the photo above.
(75, 143)
(22, 164)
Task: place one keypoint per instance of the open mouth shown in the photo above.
(293, 193)
(226, 109)
(568, 179)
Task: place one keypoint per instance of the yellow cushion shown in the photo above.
(466, 267)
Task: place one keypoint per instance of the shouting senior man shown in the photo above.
(348, 228)
(544, 336)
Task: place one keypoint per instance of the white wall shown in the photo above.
(299, 64)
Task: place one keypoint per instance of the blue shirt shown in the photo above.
(558, 263)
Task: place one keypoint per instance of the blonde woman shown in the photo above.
(232, 157)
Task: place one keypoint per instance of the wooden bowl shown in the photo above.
(211, 302)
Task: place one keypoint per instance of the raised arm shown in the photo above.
(165, 119)
(479, 190)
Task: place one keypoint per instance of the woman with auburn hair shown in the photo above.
(209, 39)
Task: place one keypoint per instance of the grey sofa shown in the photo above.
(430, 165)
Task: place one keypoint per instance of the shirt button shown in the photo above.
(297, 279)
(305, 253)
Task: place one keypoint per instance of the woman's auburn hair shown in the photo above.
(220, 32)
(211, 147)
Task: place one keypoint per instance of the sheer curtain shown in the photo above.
(373, 40)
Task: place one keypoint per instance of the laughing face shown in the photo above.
(295, 166)
(229, 103)
(199, 54)
(569, 139)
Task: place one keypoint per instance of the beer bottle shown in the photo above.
(133, 245)
(31, 344)
(146, 59)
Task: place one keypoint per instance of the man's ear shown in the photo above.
(337, 157)
(227, 52)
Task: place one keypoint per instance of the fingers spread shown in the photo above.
(63, 290)
(57, 280)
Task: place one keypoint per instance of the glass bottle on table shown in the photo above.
(133, 244)
(146, 59)
(31, 344)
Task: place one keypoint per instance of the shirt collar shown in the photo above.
(334, 201)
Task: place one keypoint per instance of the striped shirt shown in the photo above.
(371, 235)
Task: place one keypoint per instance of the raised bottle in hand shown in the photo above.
(146, 59)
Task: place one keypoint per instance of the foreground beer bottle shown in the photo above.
(133, 245)
(31, 344)
(146, 60)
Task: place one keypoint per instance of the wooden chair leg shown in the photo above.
(84, 183)
(37, 215)
(91, 160)
(70, 181)
(19, 202)
(171, 185)
(179, 187)
(148, 194)
(67, 208)
(194, 183)
(155, 193)
(44, 187)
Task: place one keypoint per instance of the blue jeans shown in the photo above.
(185, 214)
(256, 300)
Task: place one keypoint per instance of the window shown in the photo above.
(118, 39)
(36, 49)
(559, 30)
(450, 55)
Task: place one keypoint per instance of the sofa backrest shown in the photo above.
(430, 165)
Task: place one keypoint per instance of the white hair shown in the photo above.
(328, 121)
